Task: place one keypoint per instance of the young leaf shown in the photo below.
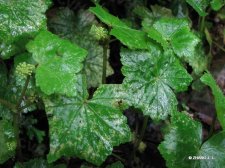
(219, 98)
(7, 141)
(184, 142)
(150, 80)
(132, 38)
(21, 18)
(86, 128)
(58, 63)
(199, 6)
(76, 29)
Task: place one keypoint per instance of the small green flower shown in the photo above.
(98, 32)
(24, 69)
(142, 146)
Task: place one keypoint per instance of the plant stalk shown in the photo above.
(202, 24)
(104, 65)
(17, 119)
(144, 126)
(118, 157)
(219, 46)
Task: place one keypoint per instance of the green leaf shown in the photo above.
(151, 79)
(9, 50)
(199, 5)
(214, 149)
(199, 61)
(217, 4)
(132, 38)
(149, 17)
(7, 141)
(183, 144)
(175, 33)
(184, 43)
(87, 128)
(76, 29)
(37, 163)
(106, 17)
(63, 23)
(58, 63)
(21, 18)
(183, 140)
(219, 98)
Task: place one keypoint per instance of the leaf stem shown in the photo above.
(17, 119)
(104, 65)
(23, 92)
(144, 126)
(118, 157)
(202, 24)
(211, 127)
(219, 46)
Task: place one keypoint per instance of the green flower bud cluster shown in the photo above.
(24, 69)
(11, 146)
(98, 32)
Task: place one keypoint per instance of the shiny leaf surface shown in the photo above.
(151, 79)
(86, 128)
(182, 145)
(175, 33)
(58, 63)
(78, 32)
(21, 18)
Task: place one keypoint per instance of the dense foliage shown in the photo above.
(55, 65)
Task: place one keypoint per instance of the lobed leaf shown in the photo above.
(150, 80)
(175, 33)
(219, 98)
(78, 32)
(86, 128)
(58, 63)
